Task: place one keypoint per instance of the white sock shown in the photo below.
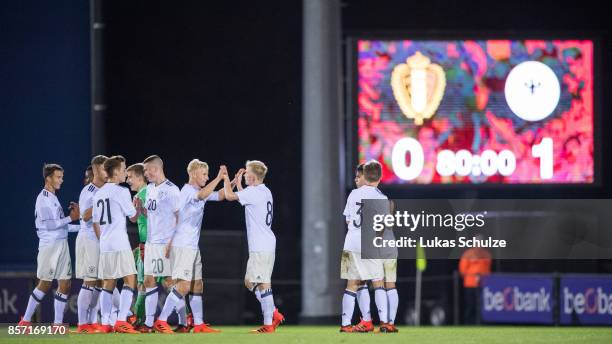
(83, 304)
(60, 306)
(197, 308)
(181, 311)
(348, 307)
(94, 306)
(173, 300)
(393, 302)
(151, 305)
(106, 306)
(267, 305)
(380, 297)
(116, 298)
(36, 297)
(127, 295)
(257, 295)
(363, 299)
(115, 309)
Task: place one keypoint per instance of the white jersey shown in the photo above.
(352, 213)
(51, 224)
(86, 202)
(162, 205)
(191, 214)
(112, 203)
(258, 205)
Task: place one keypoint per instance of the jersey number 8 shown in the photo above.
(269, 214)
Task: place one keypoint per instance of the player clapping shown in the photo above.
(258, 209)
(185, 254)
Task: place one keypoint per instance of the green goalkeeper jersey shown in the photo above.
(142, 220)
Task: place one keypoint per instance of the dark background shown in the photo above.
(223, 82)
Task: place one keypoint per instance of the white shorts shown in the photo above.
(54, 262)
(259, 267)
(186, 263)
(87, 255)
(390, 268)
(115, 265)
(155, 262)
(352, 267)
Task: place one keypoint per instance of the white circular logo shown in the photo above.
(532, 90)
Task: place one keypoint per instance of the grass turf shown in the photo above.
(329, 334)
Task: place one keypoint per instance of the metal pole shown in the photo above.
(455, 297)
(417, 298)
(322, 151)
(98, 100)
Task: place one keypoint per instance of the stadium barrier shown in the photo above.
(552, 299)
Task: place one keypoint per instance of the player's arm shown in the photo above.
(139, 205)
(51, 224)
(96, 228)
(134, 218)
(96, 217)
(208, 189)
(84, 201)
(220, 195)
(87, 214)
(127, 205)
(347, 212)
(229, 194)
(176, 202)
(237, 182)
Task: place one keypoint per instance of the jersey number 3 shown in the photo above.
(100, 205)
(359, 205)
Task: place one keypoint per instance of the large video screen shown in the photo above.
(475, 112)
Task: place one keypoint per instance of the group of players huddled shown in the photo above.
(169, 222)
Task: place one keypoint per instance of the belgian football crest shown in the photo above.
(418, 86)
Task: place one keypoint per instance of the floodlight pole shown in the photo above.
(417, 298)
(322, 156)
(98, 99)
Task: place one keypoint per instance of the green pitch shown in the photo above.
(329, 334)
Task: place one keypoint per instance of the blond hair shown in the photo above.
(258, 168)
(195, 164)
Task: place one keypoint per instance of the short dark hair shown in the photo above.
(372, 171)
(120, 157)
(153, 158)
(49, 169)
(359, 169)
(138, 169)
(98, 160)
(111, 164)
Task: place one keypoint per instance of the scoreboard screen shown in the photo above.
(477, 111)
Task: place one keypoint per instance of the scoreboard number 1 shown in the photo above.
(544, 151)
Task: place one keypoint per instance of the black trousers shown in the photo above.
(471, 306)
